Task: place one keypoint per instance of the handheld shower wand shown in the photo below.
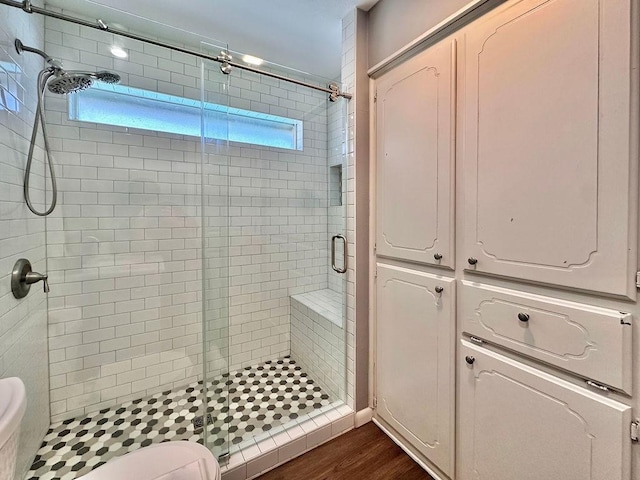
(58, 81)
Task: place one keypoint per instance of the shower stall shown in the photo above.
(196, 254)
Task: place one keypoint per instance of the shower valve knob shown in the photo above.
(23, 277)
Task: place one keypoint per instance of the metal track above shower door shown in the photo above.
(332, 89)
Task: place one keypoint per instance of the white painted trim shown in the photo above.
(413, 456)
(363, 417)
(423, 39)
(372, 239)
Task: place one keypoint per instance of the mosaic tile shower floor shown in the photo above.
(261, 397)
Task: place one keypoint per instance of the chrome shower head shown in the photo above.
(107, 77)
(65, 83)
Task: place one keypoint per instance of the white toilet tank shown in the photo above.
(13, 403)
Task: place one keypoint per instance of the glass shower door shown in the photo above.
(275, 244)
(215, 261)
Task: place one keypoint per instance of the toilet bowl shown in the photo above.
(165, 461)
(13, 403)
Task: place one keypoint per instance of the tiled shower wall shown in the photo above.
(125, 251)
(23, 323)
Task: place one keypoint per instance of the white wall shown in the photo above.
(23, 323)
(125, 242)
(393, 23)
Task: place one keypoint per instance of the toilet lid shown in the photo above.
(166, 461)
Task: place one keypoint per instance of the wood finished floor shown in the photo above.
(362, 454)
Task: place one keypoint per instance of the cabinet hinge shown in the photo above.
(375, 248)
(637, 279)
(597, 386)
(375, 98)
(375, 402)
(635, 430)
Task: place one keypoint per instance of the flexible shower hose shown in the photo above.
(43, 79)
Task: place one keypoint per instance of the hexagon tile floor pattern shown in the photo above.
(260, 398)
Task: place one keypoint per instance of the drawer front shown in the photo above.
(592, 342)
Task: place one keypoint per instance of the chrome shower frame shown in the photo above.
(333, 90)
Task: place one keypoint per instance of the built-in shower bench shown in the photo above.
(318, 338)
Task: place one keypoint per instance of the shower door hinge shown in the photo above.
(635, 430)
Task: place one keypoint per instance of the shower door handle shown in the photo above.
(333, 253)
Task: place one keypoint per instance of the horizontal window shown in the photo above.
(9, 88)
(143, 109)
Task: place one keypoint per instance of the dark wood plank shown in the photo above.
(362, 454)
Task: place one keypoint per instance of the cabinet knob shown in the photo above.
(472, 261)
(523, 317)
(437, 256)
(439, 289)
(469, 359)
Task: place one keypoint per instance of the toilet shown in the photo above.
(165, 461)
(13, 403)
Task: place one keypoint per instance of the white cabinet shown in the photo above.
(517, 422)
(415, 332)
(415, 158)
(547, 110)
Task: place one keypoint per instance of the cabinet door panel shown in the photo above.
(547, 144)
(414, 366)
(415, 158)
(519, 422)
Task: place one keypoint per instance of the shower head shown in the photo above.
(107, 77)
(64, 83)
(75, 81)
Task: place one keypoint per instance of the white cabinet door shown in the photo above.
(547, 118)
(415, 158)
(517, 422)
(415, 332)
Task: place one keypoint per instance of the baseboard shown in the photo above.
(415, 458)
(363, 417)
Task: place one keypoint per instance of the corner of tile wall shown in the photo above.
(348, 85)
(23, 323)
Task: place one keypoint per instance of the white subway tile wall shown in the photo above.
(23, 323)
(125, 247)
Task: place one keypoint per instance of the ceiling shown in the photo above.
(301, 34)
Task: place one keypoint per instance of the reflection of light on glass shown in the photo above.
(124, 106)
(9, 87)
(119, 52)
(251, 60)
